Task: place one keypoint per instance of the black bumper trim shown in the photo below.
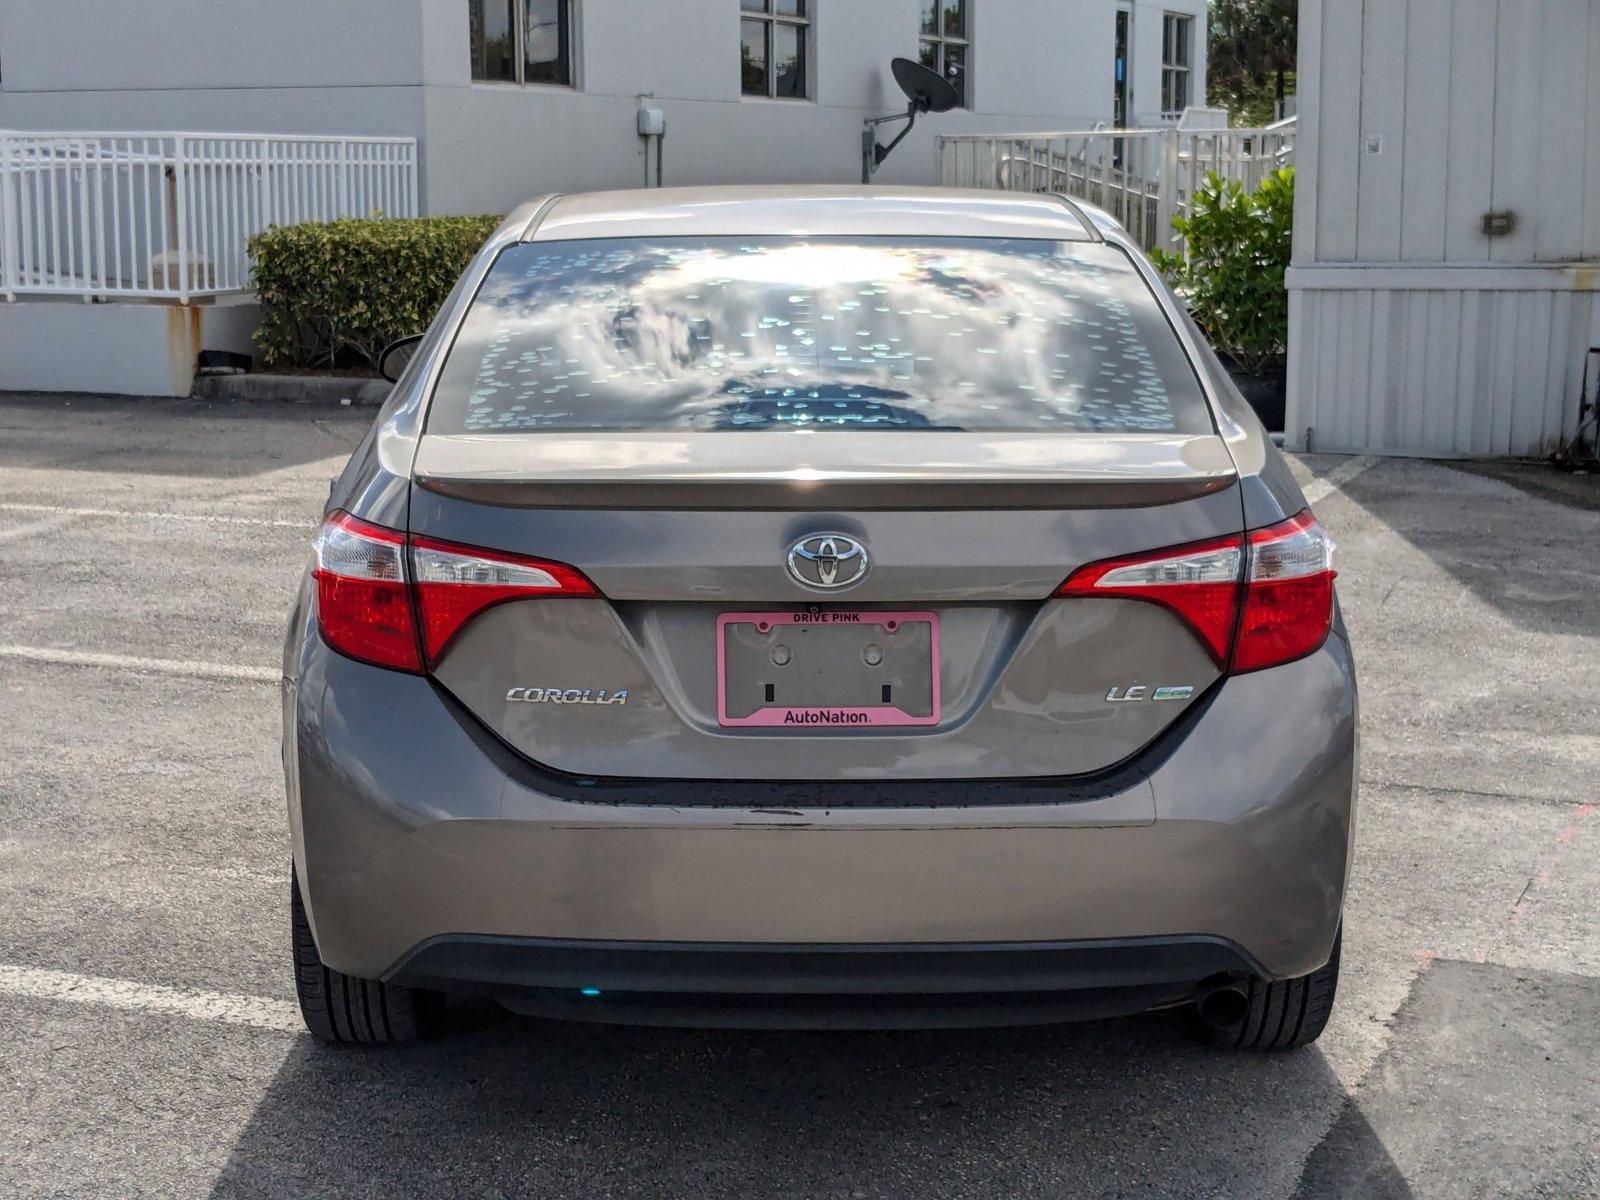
(482, 963)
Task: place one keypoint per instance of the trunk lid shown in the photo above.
(688, 538)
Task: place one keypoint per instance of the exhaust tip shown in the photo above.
(1223, 1006)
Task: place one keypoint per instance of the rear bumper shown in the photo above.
(822, 985)
(421, 856)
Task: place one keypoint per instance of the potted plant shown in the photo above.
(1236, 249)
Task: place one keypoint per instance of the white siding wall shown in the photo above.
(401, 67)
(286, 66)
(1473, 361)
(1033, 66)
(1411, 331)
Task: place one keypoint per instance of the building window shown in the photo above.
(772, 48)
(521, 41)
(1177, 42)
(947, 42)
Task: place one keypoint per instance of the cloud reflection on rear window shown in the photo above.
(982, 334)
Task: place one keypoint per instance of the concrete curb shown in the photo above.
(335, 390)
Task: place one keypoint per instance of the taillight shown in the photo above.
(1288, 607)
(1251, 608)
(455, 583)
(363, 603)
(370, 607)
(1199, 582)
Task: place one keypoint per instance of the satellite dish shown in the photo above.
(927, 90)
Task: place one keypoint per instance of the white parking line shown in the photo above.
(1320, 489)
(307, 526)
(127, 662)
(257, 1012)
(34, 528)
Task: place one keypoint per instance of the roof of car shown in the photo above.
(809, 210)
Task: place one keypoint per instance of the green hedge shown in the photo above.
(1236, 249)
(337, 293)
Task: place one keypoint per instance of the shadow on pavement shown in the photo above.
(1489, 1086)
(1520, 536)
(508, 1105)
(1574, 489)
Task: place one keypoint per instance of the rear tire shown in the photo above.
(340, 1009)
(1284, 1014)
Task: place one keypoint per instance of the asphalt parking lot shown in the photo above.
(148, 1040)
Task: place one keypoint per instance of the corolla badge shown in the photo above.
(827, 561)
(533, 695)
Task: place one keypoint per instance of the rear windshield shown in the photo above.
(732, 333)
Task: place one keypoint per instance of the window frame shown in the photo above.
(1177, 72)
(770, 18)
(939, 39)
(519, 43)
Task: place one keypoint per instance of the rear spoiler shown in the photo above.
(823, 470)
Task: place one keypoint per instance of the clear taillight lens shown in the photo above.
(1288, 606)
(363, 603)
(455, 583)
(1254, 602)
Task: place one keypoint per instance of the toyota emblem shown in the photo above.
(828, 561)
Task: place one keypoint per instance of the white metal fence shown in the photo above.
(1142, 177)
(166, 215)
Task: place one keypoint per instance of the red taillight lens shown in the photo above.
(1288, 606)
(1199, 582)
(455, 583)
(363, 603)
(1251, 610)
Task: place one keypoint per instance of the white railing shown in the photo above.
(1142, 177)
(166, 216)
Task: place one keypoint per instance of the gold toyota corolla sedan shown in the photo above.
(818, 606)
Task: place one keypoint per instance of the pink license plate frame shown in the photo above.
(812, 719)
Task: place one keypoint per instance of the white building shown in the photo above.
(509, 98)
(1447, 227)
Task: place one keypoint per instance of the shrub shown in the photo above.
(339, 292)
(1231, 272)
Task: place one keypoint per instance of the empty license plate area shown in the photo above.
(828, 669)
